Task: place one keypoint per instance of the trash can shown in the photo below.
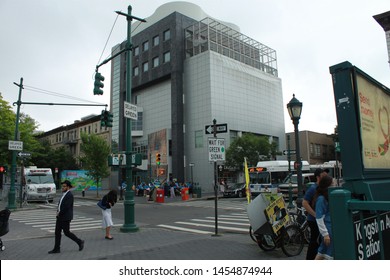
(185, 194)
(160, 196)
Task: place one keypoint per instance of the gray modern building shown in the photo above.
(384, 21)
(187, 70)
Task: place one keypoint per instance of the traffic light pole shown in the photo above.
(12, 193)
(129, 223)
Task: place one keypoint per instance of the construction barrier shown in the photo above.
(185, 195)
(160, 196)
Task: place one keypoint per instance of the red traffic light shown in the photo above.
(2, 169)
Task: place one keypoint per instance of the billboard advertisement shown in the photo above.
(79, 179)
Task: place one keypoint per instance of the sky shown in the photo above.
(55, 46)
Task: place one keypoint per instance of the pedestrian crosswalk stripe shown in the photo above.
(185, 229)
(221, 222)
(44, 219)
(211, 226)
(235, 222)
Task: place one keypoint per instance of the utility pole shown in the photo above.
(11, 193)
(129, 223)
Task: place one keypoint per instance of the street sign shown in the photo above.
(120, 159)
(130, 111)
(221, 128)
(292, 152)
(216, 149)
(24, 154)
(15, 145)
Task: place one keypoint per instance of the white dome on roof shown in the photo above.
(186, 8)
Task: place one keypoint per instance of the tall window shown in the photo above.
(136, 51)
(155, 62)
(136, 71)
(145, 66)
(199, 139)
(156, 40)
(167, 57)
(167, 35)
(145, 46)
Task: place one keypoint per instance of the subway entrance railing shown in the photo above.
(360, 208)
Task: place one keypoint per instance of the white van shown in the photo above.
(39, 184)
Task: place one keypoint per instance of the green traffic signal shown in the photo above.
(109, 119)
(98, 84)
(103, 118)
(106, 118)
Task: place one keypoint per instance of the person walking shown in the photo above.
(311, 214)
(108, 201)
(64, 217)
(321, 204)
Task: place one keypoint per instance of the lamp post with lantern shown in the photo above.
(294, 108)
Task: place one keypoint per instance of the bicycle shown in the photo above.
(290, 239)
(300, 218)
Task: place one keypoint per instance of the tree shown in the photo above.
(250, 146)
(27, 127)
(95, 152)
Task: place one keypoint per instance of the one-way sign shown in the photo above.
(292, 152)
(24, 154)
(221, 128)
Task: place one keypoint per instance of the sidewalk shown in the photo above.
(149, 242)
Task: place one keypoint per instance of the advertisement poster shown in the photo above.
(277, 214)
(79, 179)
(374, 107)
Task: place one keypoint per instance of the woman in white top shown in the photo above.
(108, 201)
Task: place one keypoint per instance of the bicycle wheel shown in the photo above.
(292, 240)
(266, 242)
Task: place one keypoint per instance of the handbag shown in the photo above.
(100, 204)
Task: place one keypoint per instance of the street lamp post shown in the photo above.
(294, 108)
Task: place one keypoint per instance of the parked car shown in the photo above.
(307, 179)
(236, 190)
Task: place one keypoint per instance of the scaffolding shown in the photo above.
(209, 34)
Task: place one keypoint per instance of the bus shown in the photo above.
(267, 175)
(335, 170)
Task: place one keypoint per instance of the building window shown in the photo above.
(156, 62)
(167, 57)
(317, 150)
(136, 71)
(136, 51)
(145, 46)
(167, 35)
(199, 139)
(145, 67)
(156, 40)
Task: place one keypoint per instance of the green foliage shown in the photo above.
(60, 158)
(27, 127)
(250, 146)
(95, 152)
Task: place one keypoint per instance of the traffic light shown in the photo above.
(106, 118)
(98, 84)
(3, 169)
(103, 118)
(109, 119)
(158, 159)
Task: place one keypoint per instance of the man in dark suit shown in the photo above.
(64, 217)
